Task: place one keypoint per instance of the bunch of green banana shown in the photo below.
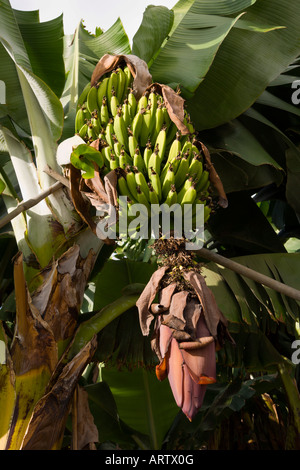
(154, 162)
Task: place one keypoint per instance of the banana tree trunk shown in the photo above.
(45, 324)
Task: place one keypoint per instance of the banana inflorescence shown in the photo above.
(156, 163)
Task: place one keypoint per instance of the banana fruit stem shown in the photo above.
(250, 273)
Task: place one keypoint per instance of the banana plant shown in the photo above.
(74, 310)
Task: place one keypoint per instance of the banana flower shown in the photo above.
(188, 327)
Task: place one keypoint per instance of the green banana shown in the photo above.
(109, 130)
(106, 152)
(196, 167)
(175, 148)
(102, 134)
(142, 183)
(114, 161)
(167, 182)
(182, 170)
(146, 124)
(111, 87)
(83, 96)
(132, 104)
(152, 100)
(158, 123)
(128, 81)
(121, 128)
(79, 120)
(172, 131)
(153, 195)
(87, 115)
(102, 90)
(126, 113)
(142, 102)
(160, 142)
(156, 184)
(187, 148)
(171, 196)
(189, 196)
(123, 159)
(142, 199)
(83, 131)
(132, 144)
(96, 125)
(154, 162)
(91, 132)
(92, 100)
(137, 125)
(121, 84)
(114, 103)
(138, 161)
(207, 212)
(167, 120)
(131, 182)
(104, 115)
(204, 190)
(176, 163)
(117, 146)
(147, 154)
(190, 127)
(202, 181)
(187, 184)
(123, 188)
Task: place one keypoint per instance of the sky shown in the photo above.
(93, 12)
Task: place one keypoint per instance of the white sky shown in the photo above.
(102, 13)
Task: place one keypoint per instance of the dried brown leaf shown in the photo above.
(102, 195)
(166, 295)
(33, 345)
(87, 432)
(137, 66)
(48, 421)
(81, 204)
(213, 175)
(146, 298)
(213, 316)
(174, 104)
(178, 304)
(59, 298)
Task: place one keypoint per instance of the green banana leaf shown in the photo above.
(110, 425)
(45, 116)
(247, 303)
(243, 229)
(16, 58)
(154, 29)
(143, 403)
(257, 60)
(197, 33)
(121, 341)
(222, 402)
(46, 51)
(200, 43)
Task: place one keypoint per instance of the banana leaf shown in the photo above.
(234, 293)
(144, 404)
(186, 61)
(257, 60)
(14, 55)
